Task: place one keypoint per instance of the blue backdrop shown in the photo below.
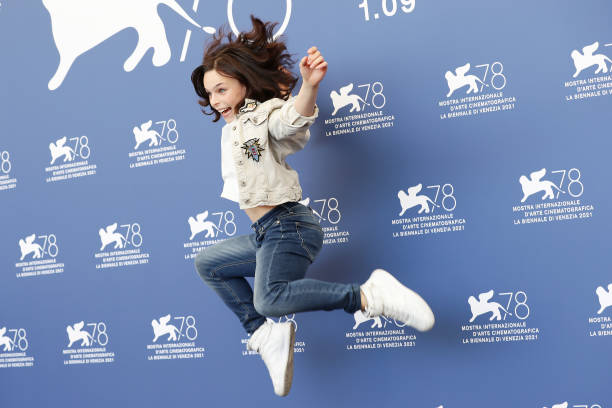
(463, 146)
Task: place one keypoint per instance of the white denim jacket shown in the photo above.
(262, 136)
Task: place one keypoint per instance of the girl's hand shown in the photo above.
(313, 67)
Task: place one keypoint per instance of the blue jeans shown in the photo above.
(285, 242)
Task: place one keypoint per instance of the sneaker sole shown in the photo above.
(289, 368)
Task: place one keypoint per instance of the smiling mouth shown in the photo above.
(226, 111)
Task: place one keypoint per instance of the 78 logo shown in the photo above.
(131, 237)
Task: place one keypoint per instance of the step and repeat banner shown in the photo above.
(462, 145)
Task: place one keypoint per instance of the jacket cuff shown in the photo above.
(293, 118)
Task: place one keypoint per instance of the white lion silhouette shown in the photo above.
(605, 297)
(482, 306)
(198, 224)
(80, 25)
(460, 80)
(587, 59)
(28, 245)
(535, 184)
(162, 327)
(361, 318)
(58, 150)
(143, 133)
(6, 341)
(412, 199)
(342, 99)
(75, 333)
(109, 235)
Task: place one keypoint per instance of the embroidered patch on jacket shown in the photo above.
(248, 107)
(252, 149)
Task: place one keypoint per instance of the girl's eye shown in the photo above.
(221, 90)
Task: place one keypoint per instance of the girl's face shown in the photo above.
(224, 93)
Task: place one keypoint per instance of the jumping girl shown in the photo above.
(247, 81)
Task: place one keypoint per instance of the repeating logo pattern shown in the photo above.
(120, 246)
(87, 344)
(64, 164)
(544, 196)
(38, 256)
(591, 77)
(161, 142)
(363, 109)
(418, 209)
(206, 231)
(544, 200)
(495, 322)
(381, 332)
(14, 345)
(473, 94)
(174, 341)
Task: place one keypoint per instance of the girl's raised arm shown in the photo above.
(313, 68)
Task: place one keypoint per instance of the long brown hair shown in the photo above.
(257, 61)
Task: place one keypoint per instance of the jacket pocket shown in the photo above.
(255, 119)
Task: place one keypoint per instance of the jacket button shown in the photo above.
(243, 184)
(247, 200)
(240, 162)
(235, 143)
(234, 127)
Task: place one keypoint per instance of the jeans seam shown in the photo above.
(270, 265)
(297, 228)
(212, 272)
(314, 227)
(236, 298)
(228, 287)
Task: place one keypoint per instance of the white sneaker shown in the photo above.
(386, 296)
(274, 342)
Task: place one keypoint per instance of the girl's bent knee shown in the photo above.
(268, 309)
(202, 266)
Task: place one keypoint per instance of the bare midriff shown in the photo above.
(256, 213)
